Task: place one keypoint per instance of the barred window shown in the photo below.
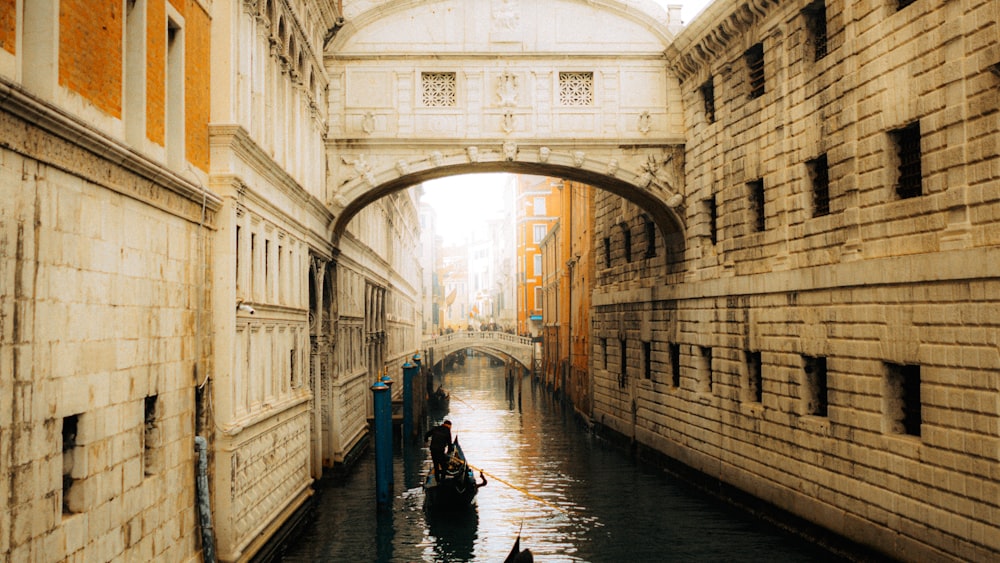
(815, 15)
(576, 88)
(754, 57)
(755, 381)
(902, 403)
(815, 386)
(819, 175)
(756, 193)
(907, 143)
(708, 96)
(712, 211)
(438, 89)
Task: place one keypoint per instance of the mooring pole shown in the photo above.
(382, 399)
(409, 372)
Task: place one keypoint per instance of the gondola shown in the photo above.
(457, 488)
(439, 399)
(517, 555)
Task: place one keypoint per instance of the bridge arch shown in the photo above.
(657, 198)
(518, 348)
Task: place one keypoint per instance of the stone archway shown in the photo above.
(662, 169)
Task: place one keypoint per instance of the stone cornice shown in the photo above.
(710, 35)
(74, 132)
(236, 138)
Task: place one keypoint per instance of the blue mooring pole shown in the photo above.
(382, 399)
(409, 372)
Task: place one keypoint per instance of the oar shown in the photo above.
(519, 489)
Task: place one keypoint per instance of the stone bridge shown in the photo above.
(518, 348)
(563, 88)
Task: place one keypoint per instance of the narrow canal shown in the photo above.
(572, 496)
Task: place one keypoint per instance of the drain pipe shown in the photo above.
(204, 507)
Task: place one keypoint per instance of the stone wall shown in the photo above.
(829, 342)
(101, 339)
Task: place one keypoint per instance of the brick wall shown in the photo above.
(8, 26)
(90, 51)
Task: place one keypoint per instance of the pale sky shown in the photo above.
(464, 202)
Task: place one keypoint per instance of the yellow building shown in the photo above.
(567, 278)
(536, 204)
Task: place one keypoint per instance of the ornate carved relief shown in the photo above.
(507, 122)
(507, 89)
(363, 168)
(368, 123)
(509, 151)
(645, 122)
(506, 15)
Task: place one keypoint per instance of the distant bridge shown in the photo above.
(519, 348)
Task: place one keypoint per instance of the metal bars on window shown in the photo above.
(907, 141)
(754, 57)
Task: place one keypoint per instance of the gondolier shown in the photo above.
(440, 437)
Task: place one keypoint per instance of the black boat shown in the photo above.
(517, 555)
(439, 399)
(457, 487)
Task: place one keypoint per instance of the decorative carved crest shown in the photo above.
(506, 15)
(507, 89)
(507, 122)
(368, 122)
(645, 122)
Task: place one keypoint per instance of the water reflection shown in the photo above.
(572, 497)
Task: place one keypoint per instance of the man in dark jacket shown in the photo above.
(440, 437)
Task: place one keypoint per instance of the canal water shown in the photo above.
(572, 496)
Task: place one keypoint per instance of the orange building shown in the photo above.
(536, 204)
(568, 273)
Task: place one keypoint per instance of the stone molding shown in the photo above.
(68, 143)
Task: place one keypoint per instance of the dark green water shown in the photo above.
(573, 496)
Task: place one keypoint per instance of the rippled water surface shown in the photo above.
(572, 496)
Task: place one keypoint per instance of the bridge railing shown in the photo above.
(480, 335)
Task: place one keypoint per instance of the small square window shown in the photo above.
(439, 89)
(576, 88)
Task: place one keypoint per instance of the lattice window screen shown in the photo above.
(438, 89)
(576, 88)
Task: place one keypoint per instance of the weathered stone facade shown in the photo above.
(166, 273)
(828, 342)
(104, 328)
